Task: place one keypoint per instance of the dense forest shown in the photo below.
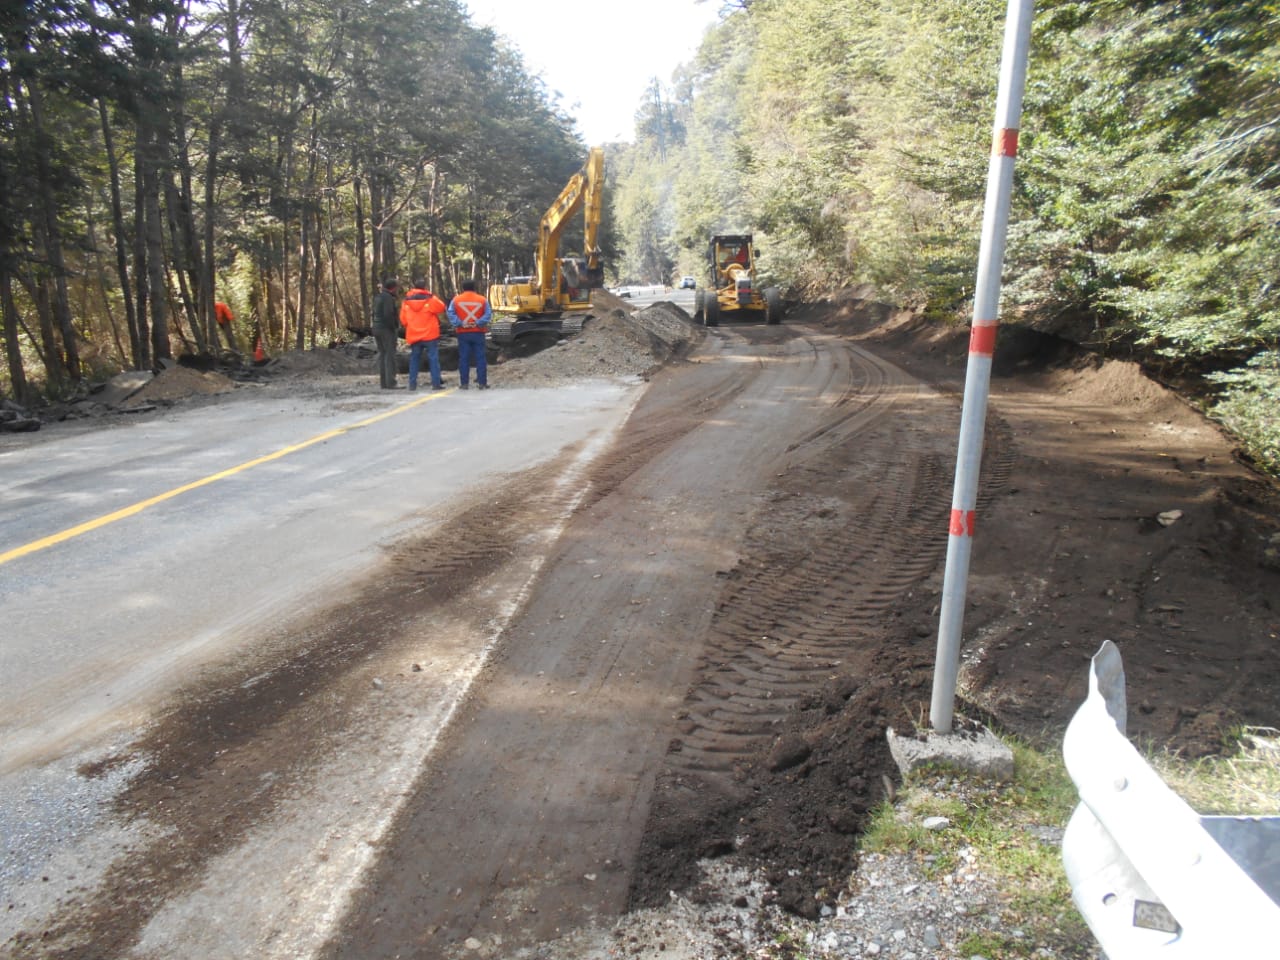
(853, 138)
(279, 155)
(282, 155)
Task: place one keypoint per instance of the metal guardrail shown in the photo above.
(639, 290)
(1150, 876)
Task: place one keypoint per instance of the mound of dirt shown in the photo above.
(1112, 382)
(795, 808)
(175, 383)
(339, 361)
(615, 344)
(604, 300)
(667, 325)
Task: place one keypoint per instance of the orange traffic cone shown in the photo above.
(259, 355)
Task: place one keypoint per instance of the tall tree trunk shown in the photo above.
(317, 273)
(197, 305)
(362, 244)
(384, 238)
(234, 74)
(103, 293)
(269, 288)
(38, 290)
(149, 156)
(208, 277)
(177, 210)
(120, 237)
(140, 274)
(52, 234)
(12, 348)
(306, 213)
(334, 311)
(304, 275)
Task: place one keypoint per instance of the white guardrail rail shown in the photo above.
(640, 290)
(1151, 877)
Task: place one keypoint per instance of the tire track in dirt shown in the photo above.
(857, 521)
(807, 621)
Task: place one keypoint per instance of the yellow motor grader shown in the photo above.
(733, 292)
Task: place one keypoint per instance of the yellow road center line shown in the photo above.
(90, 525)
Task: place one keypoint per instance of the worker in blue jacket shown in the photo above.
(469, 313)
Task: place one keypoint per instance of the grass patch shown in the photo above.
(1010, 832)
(1245, 779)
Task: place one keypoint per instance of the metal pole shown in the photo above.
(982, 342)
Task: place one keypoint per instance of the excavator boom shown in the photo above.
(584, 189)
(561, 284)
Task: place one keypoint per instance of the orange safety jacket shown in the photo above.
(469, 312)
(420, 316)
(222, 312)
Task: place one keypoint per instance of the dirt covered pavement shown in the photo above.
(1109, 510)
(741, 596)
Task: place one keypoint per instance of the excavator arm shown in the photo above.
(585, 186)
(594, 203)
(558, 295)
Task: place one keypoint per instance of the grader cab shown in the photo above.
(734, 292)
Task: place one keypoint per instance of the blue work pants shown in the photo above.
(433, 362)
(471, 347)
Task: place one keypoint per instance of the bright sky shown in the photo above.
(600, 56)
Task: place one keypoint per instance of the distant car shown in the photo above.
(688, 283)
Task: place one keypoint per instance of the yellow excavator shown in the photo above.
(733, 291)
(558, 297)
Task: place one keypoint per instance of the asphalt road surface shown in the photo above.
(388, 676)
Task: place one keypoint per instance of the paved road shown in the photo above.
(137, 562)
(440, 681)
(196, 529)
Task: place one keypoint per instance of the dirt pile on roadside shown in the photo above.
(613, 344)
(604, 300)
(342, 360)
(175, 383)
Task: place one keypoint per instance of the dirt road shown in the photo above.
(689, 647)
(531, 814)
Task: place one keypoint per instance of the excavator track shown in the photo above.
(502, 332)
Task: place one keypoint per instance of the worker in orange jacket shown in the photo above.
(224, 317)
(420, 315)
(470, 313)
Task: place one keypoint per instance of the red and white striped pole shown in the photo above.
(982, 343)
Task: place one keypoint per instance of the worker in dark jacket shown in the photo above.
(469, 312)
(386, 331)
(420, 316)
